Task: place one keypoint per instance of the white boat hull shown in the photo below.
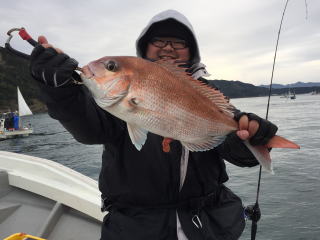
(15, 133)
(43, 198)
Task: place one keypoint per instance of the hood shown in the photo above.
(180, 22)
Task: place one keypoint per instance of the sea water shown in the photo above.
(289, 199)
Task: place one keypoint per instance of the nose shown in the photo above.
(168, 46)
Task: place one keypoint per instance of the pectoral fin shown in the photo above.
(137, 135)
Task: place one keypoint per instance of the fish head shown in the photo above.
(108, 79)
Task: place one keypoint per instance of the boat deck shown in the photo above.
(59, 208)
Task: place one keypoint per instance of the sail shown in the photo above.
(22, 105)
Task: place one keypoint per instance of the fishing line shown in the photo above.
(254, 226)
(306, 5)
(256, 209)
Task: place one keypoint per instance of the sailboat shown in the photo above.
(289, 95)
(15, 128)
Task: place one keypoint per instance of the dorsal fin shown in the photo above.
(173, 67)
(214, 95)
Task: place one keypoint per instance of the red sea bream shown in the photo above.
(161, 98)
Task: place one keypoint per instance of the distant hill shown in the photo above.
(14, 72)
(294, 85)
(237, 89)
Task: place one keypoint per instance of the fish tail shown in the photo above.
(281, 142)
(262, 154)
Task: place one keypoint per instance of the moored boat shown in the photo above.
(11, 123)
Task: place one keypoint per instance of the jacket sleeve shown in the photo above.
(77, 111)
(234, 151)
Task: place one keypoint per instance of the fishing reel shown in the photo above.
(252, 212)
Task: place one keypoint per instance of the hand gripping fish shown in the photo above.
(162, 98)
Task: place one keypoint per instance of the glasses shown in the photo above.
(178, 44)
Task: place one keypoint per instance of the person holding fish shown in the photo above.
(165, 132)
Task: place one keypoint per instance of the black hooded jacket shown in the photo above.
(141, 189)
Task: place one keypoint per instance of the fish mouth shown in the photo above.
(88, 79)
(91, 71)
(87, 73)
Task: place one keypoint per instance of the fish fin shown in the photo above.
(204, 145)
(213, 94)
(173, 66)
(262, 154)
(280, 142)
(137, 135)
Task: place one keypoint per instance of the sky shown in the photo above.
(237, 38)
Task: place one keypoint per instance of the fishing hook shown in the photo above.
(25, 36)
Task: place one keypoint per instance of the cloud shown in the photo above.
(237, 38)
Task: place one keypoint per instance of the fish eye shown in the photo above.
(111, 66)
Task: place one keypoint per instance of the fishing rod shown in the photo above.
(25, 36)
(255, 209)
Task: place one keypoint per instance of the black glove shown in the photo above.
(53, 68)
(265, 131)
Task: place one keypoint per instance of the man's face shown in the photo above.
(173, 49)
